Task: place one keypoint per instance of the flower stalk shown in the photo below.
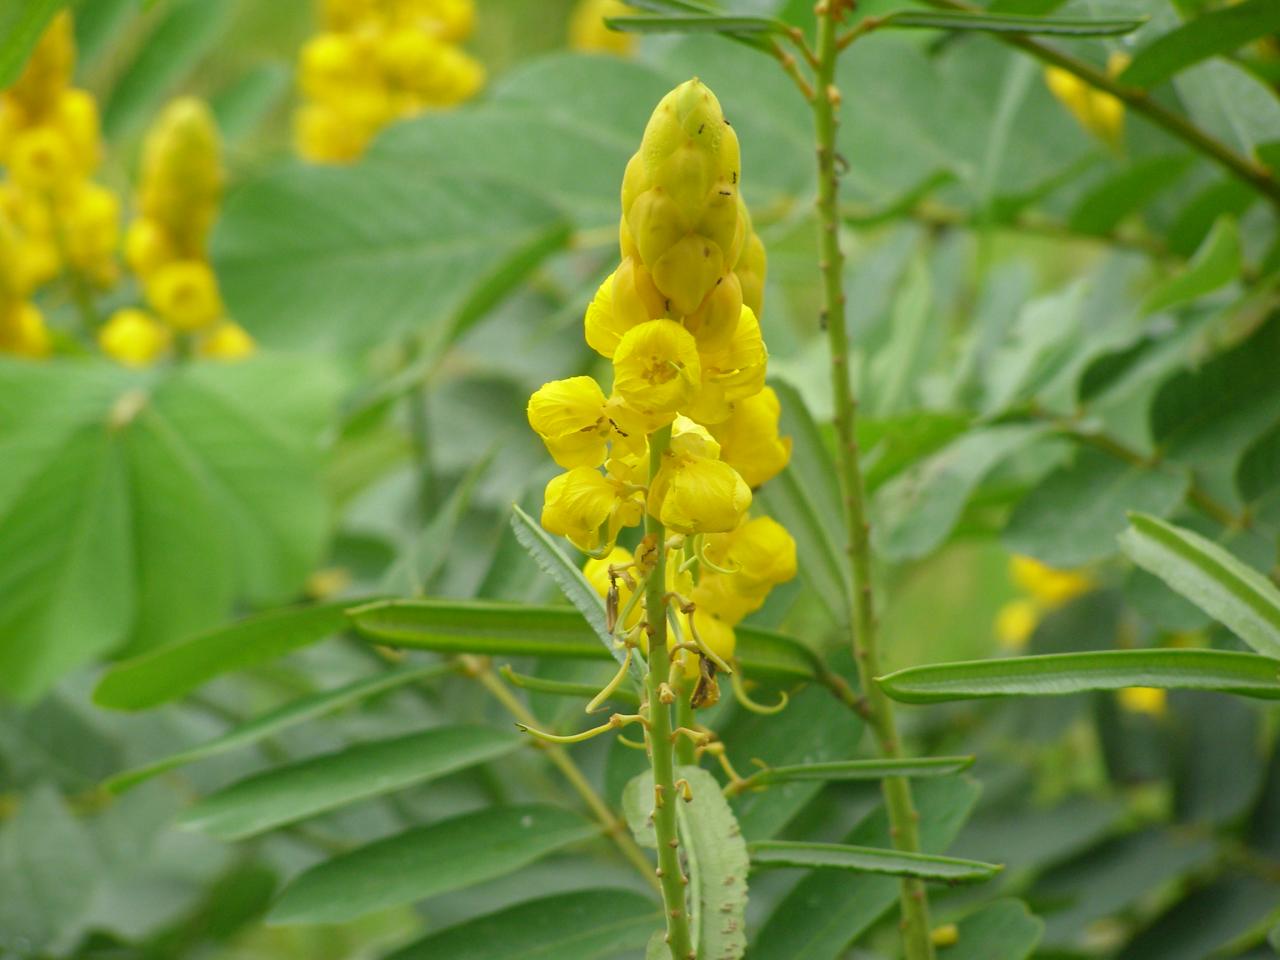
(903, 819)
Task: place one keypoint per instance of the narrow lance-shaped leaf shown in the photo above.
(696, 23)
(839, 856)
(1230, 591)
(1210, 34)
(1012, 23)
(1245, 674)
(862, 770)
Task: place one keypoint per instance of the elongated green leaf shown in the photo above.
(696, 23)
(839, 856)
(1003, 930)
(863, 770)
(1230, 591)
(1010, 23)
(21, 24)
(494, 628)
(1245, 674)
(581, 925)
(169, 672)
(427, 861)
(282, 718)
(1210, 34)
(1215, 264)
(1103, 208)
(308, 787)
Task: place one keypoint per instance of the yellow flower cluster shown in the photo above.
(1098, 112)
(588, 33)
(678, 320)
(377, 61)
(53, 217)
(166, 245)
(1045, 589)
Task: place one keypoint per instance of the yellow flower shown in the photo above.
(324, 135)
(1015, 623)
(596, 571)
(40, 159)
(693, 492)
(588, 33)
(185, 294)
(182, 175)
(1048, 586)
(134, 338)
(718, 595)
(733, 373)
(750, 270)
(749, 440)
(91, 218)
(717, 635)
(1097, 111)
(588, 507)
(147, 247)
(1152, 701)
(226, 341)
(656, 370)
(760, 553)
(77, 117)
(23, 331)
(576, 422)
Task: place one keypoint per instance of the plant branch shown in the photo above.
(1244, 168)
(903, 819)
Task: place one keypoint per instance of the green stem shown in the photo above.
(684, 718)
(661, 752)
(903, 819)
(1245, 169)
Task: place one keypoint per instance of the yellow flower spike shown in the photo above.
(1048, 586)
(656, 370)
(688, 271)
(147, 247)
(227, 341)
(1015, 623)
(182, 176)
(749, 440)
(750, 271)
(733, 373)
(134, 338)
(634, 298)
(588, 34)
(716, 320)
(76, 116)
(40, 159)
(23, 331)
(1152, 701)
(91, 219)
(569, 415)
(185, 294)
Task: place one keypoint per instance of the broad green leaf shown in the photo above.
(893, 444)
(839, 856)
(1245, 674)
(282, 718)
(48, 872)
(21, 24)
(1230, 102)
(862, 770)
(1210, 34)
(1010, 23)
(717, 861)
(513, 629)
(1003, 930)
(581, 925)
(918, 509)
(1027, 838)
(426, 861)
(1214, 759)
(829, 909)
(1201, 211)
(323, 257)
(303, 789)
(1213, 920)
(1094, 491)
(1259, 467)
(1215, 264)
(1104, 207)
(184, 32)
(1235, 594)
(174, 670)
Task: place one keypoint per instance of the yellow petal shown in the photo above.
(656, 368)
(704, 496)
(577, 504)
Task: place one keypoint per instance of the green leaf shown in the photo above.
(1213, 33)
(1215, 264)
(1212, 920)
(580, 925)
(1104, 207)
(1259, 467)
(829, 909)
(243, 104)
(426, 861)
(919, 509)
(1214, 758)
(323, 257)
(892, 444)
(1235, 594)
(282, 718)
(1095, 491)
(172, 671)
(1003, 930)
(303, 789)
(839, 856)
(1231, 103)
(696, 23)
(512, 629)
(1056, 674)
(21, 24)
(1009, 23)
(862, 770)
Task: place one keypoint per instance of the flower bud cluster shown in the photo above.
(678, 319)
(377, 61)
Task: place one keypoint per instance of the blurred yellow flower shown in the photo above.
(1152, 701)
(134, 338)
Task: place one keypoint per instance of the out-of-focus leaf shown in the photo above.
(1194, 221)
(319, 257)
(1245, 674)
(21, 24)
(241, 105)
(1003, 930)
(1231, 103)
(1260, 466)
(308, 787)
(1030, 838)
(1103, 208)
(581, 925)
(1011, 23)
(1210, 577)
(426, 861)
(919, 508)
(1095, 490)
(893, 444)
(1215, 751)
(282, 718)
(829, 909)
(839, 856)
(862, 770)
(1215, 264)
(1212, 33)
(169, 672)
(1207, 921)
